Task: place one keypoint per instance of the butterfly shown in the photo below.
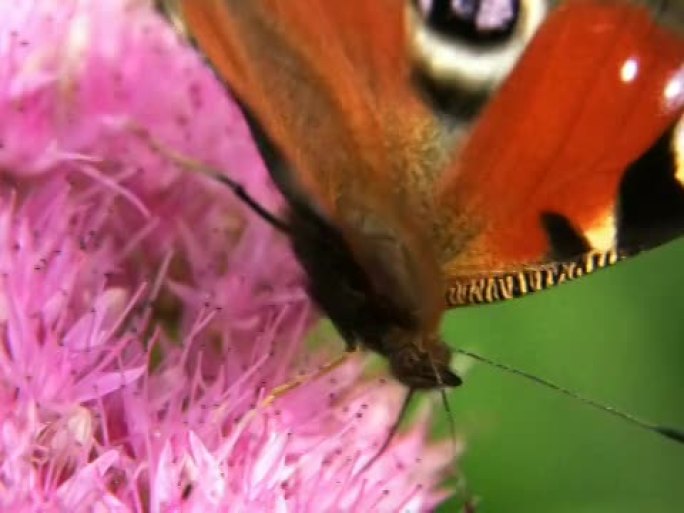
(437, 154)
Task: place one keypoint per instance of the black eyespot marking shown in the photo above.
(466, 49)
(454, 107)
(651, 201)
(481, 22)
(566, 242)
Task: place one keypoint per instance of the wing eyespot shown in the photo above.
(471, 45)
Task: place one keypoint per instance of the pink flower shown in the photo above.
(145, 313)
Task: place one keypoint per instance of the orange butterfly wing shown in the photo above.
(324, 80)
(331, 84)
(597, 88)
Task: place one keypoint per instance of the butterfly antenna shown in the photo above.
(670, 433)
(447, 409)
(253, 204)
(198, 167)
(392, 431)
(445, 403)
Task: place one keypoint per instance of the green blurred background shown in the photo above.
(616, 336)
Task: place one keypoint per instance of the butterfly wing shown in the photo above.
(321, 78)
(574, 163)
(329, 84)
(570, 167)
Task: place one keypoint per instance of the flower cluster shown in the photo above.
(145, 314)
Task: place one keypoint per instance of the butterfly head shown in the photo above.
(423, 366)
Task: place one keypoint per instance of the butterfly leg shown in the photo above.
(324, 369)
(351, 345)
(195, 166)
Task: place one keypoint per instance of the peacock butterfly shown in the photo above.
(436, 154)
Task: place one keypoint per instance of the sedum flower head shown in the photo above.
(145, 313)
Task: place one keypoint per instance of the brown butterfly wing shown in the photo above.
(572, 166)
(322, 79)
(329, 83)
